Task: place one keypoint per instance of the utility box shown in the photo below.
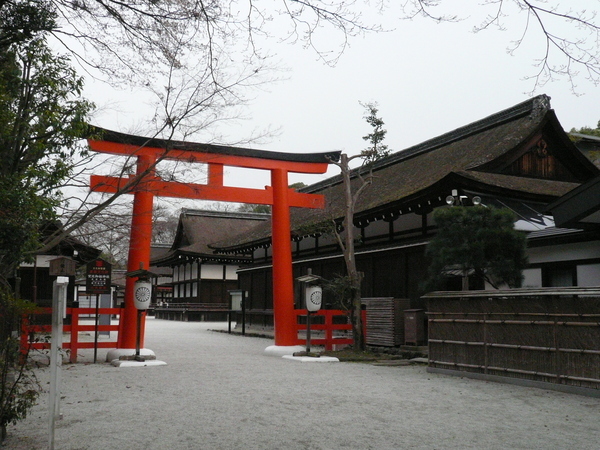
(414, 327)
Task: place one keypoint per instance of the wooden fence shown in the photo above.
(540, 336)
(32, 333)
(335, 324)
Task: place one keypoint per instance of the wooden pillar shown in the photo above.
(283, 281)
(139, 255)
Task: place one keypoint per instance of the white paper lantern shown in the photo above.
(142, 293)
(314, 298)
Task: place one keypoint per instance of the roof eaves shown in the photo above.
(225, 214)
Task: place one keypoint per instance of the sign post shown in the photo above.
(142, 296)
(313, 296)
(59, 298)
(98, 281)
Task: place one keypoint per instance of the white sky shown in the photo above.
(428, 79)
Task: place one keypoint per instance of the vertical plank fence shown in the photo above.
(542, 335)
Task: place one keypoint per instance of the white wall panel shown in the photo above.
(532, 278)
(231, 272)
(211, 272)
(408, 222)
(566, 252)
(588, 275)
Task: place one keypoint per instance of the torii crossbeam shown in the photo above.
(145, 185)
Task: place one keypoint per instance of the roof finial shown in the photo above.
(541, 104)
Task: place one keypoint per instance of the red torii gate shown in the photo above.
(147, 185)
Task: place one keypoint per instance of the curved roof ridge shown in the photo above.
(533, 107)
(141, 141)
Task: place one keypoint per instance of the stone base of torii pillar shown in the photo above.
(283, 350)
(126, 357)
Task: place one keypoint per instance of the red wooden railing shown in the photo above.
(28, 331)
(329, 327)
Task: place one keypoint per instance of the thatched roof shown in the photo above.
(476, 156)
(197, 229)
(70, 246)
(158, 252)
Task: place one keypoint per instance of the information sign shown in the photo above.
(98, 277)
(62, 267)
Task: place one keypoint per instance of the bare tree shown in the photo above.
(570, 32)
(200, 57)
(355, 182)
(109, 231)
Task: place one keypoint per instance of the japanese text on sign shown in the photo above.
(98, 278)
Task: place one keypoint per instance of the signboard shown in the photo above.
(62, 267)
(98, 277)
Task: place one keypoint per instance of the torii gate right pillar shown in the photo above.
(283, 281)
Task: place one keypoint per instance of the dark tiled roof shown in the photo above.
(522, 185)
(197, 229)
(157, 252)
(68, 244)
(455, 156)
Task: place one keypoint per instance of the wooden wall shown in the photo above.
(392, 273)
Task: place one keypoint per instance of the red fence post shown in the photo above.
(74, 334)
(24, 336)
(328, 330)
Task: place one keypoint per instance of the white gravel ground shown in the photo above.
(219, 391)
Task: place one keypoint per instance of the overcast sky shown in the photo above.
(428, 79)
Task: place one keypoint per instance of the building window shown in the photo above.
(559, 276)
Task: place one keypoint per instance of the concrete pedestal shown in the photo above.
(124, 357)
(281, 350)
(311, 359)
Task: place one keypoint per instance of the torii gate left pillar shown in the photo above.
(145, 185)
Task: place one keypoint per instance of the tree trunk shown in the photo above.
(357, 322)
(349, 259)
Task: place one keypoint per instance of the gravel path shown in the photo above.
(219, 391)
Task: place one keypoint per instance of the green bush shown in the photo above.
(19, 388)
